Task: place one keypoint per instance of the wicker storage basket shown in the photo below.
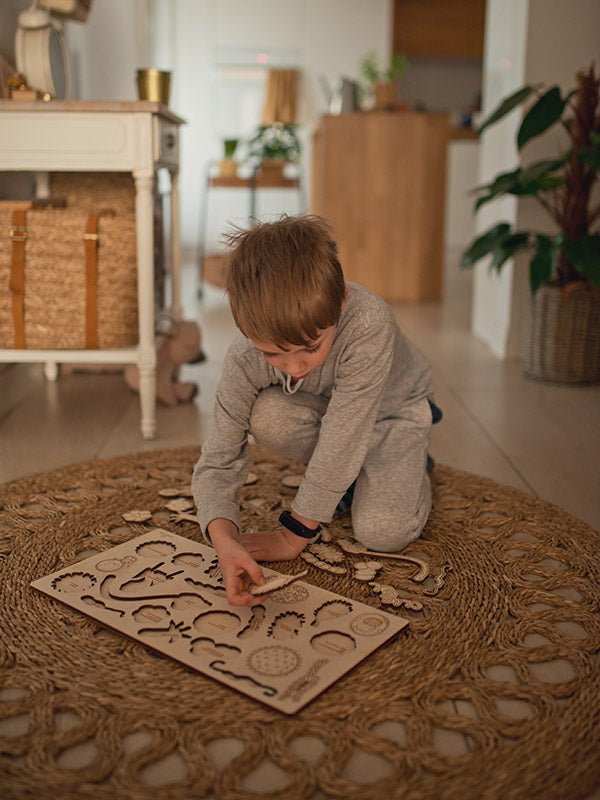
(54, 299)
(95, 190)
(562, 337)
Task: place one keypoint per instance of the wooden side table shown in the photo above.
(79, 136)
(252, 184)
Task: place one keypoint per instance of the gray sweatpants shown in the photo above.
(392, 498)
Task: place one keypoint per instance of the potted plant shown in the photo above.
(275, 145)
(562, 336)
(382, 79)
(228, 165)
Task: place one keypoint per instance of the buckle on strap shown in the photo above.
(18, 233)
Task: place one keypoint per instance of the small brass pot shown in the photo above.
(154, 84)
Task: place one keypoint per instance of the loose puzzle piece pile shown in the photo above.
(167, 592)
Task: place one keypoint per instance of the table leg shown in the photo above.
(145, 276)
(51, 370)
(175, 248)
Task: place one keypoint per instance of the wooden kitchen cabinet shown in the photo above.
(453, 28)
(379, 180)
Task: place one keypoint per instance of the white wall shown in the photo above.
(461, 177)
(527, 41)
(108, 48)
(328, 36)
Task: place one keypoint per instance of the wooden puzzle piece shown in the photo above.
(326, 552)
(354, 547)
(292, 481)
(183, 516)
(291, 595)
(366, 570)
(276, 583)
(173, 491)
(438, 581)
(310, 558)
(137, 515)
(389, 596)
(262, 503)
(180, 504)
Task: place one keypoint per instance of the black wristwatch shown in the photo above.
(297, 527)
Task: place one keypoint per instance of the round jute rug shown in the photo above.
(493, 690)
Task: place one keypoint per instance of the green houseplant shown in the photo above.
(562, 338)
(278, 142)
(382, 77)
(228, 165)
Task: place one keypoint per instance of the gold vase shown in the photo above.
(154, 84)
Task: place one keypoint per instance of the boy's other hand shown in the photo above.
(240, 571)
(280, 545)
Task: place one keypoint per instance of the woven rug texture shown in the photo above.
(492, 691)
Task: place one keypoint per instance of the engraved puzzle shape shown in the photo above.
(166, 592)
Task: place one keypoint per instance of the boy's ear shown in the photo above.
(345, 299)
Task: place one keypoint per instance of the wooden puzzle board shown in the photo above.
(166, 591)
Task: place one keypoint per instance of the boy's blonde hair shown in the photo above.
(284, 280)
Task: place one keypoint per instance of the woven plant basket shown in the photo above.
(562, 338)
(54, 306)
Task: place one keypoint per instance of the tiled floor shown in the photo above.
(539, 437)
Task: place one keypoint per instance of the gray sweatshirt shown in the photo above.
(371, 372)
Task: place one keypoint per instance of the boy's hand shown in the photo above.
(240, 570)
(282, 545)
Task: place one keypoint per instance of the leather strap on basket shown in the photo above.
(91, 244)
(16, 284)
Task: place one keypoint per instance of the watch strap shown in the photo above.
(295, 526)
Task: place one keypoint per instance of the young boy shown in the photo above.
(321, 373)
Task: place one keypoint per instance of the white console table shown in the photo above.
(81, 136)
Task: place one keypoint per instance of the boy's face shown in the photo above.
(298, 361)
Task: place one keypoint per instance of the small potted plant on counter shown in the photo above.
(561, 341)
(383, 79)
